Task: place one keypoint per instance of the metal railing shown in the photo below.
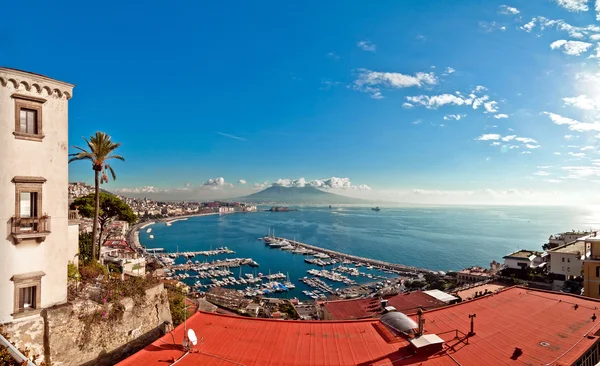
(30, 225)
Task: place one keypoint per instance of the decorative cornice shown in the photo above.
(27, 276)
(28, 97)
(23, 179)
(21, 80)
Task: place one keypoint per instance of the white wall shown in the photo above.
(572, 265)
(514, 263)
(48, 159)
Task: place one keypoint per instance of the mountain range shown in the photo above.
(298, 195)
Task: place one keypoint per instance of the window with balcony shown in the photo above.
(29, 221)
(28, 117)
(27, 294)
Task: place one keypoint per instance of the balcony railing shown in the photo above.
(30, 228)
(73, 214)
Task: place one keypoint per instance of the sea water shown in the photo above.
(437, 238)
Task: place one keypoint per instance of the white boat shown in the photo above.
(151, 237)
(149, 230)
(288, 247)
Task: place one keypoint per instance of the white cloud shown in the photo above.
(416, 122)
(574, 5)
(597, 8)
(574, 32)
(530, 146)
(581, 102)
(574, 125)
(231, 136)
(552, 180)
(570, 137)
(526, 152)
(595, 37)
(450, 70)
(557, 153)
(455, 117)
(560, 120)
(491, 26)
(366, 46)
(432, 102)
(577, 155)
(327, 183)
(597, 55)
(525, 140)
(585, 148)
(495, 143)
(488, 136)
(541, 173)
(371, 81)
(491, 107)
(509, 137)
(217, 183)
(333, 55)
(262, 185)
(501, 115)
(242, 181)
(574, 48)
(508, 10)
(407, 105)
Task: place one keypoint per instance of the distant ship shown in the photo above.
(376, 208)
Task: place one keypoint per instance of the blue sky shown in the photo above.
(381, 93)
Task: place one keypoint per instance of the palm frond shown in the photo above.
(119, 157)
(112, 172)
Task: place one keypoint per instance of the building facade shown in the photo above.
(473, 275)
(523, 259)
(591, 268)
(567, 260)
(36, 240)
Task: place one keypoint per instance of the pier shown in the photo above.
(399, 268)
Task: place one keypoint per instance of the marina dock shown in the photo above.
(386, 266)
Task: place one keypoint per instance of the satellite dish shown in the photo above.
(192, 336)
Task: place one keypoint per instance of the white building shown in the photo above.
(36, 241)
(557, 240)
(567, 260)
(522, 259)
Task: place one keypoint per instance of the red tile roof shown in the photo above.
(407, 303)
(545, 326)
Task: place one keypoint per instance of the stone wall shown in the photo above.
(65, 335)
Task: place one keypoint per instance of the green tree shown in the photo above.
(101, 149)
(85, 247)
(111, 208)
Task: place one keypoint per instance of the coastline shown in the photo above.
(133, 238)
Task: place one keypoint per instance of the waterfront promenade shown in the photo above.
(400, 268)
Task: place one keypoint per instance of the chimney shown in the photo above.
(472, 317)
(383, 303)
(421, 323)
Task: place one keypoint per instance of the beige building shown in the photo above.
(591, 267)
(567, 259)
(473, 275)
(36, 240)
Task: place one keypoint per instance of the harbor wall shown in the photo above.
(373, 262)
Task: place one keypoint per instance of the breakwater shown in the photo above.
(399, 268)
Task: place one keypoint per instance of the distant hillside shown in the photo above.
(298, 195)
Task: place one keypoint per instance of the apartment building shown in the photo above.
(36, 239)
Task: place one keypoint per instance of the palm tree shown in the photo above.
(100, 150)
